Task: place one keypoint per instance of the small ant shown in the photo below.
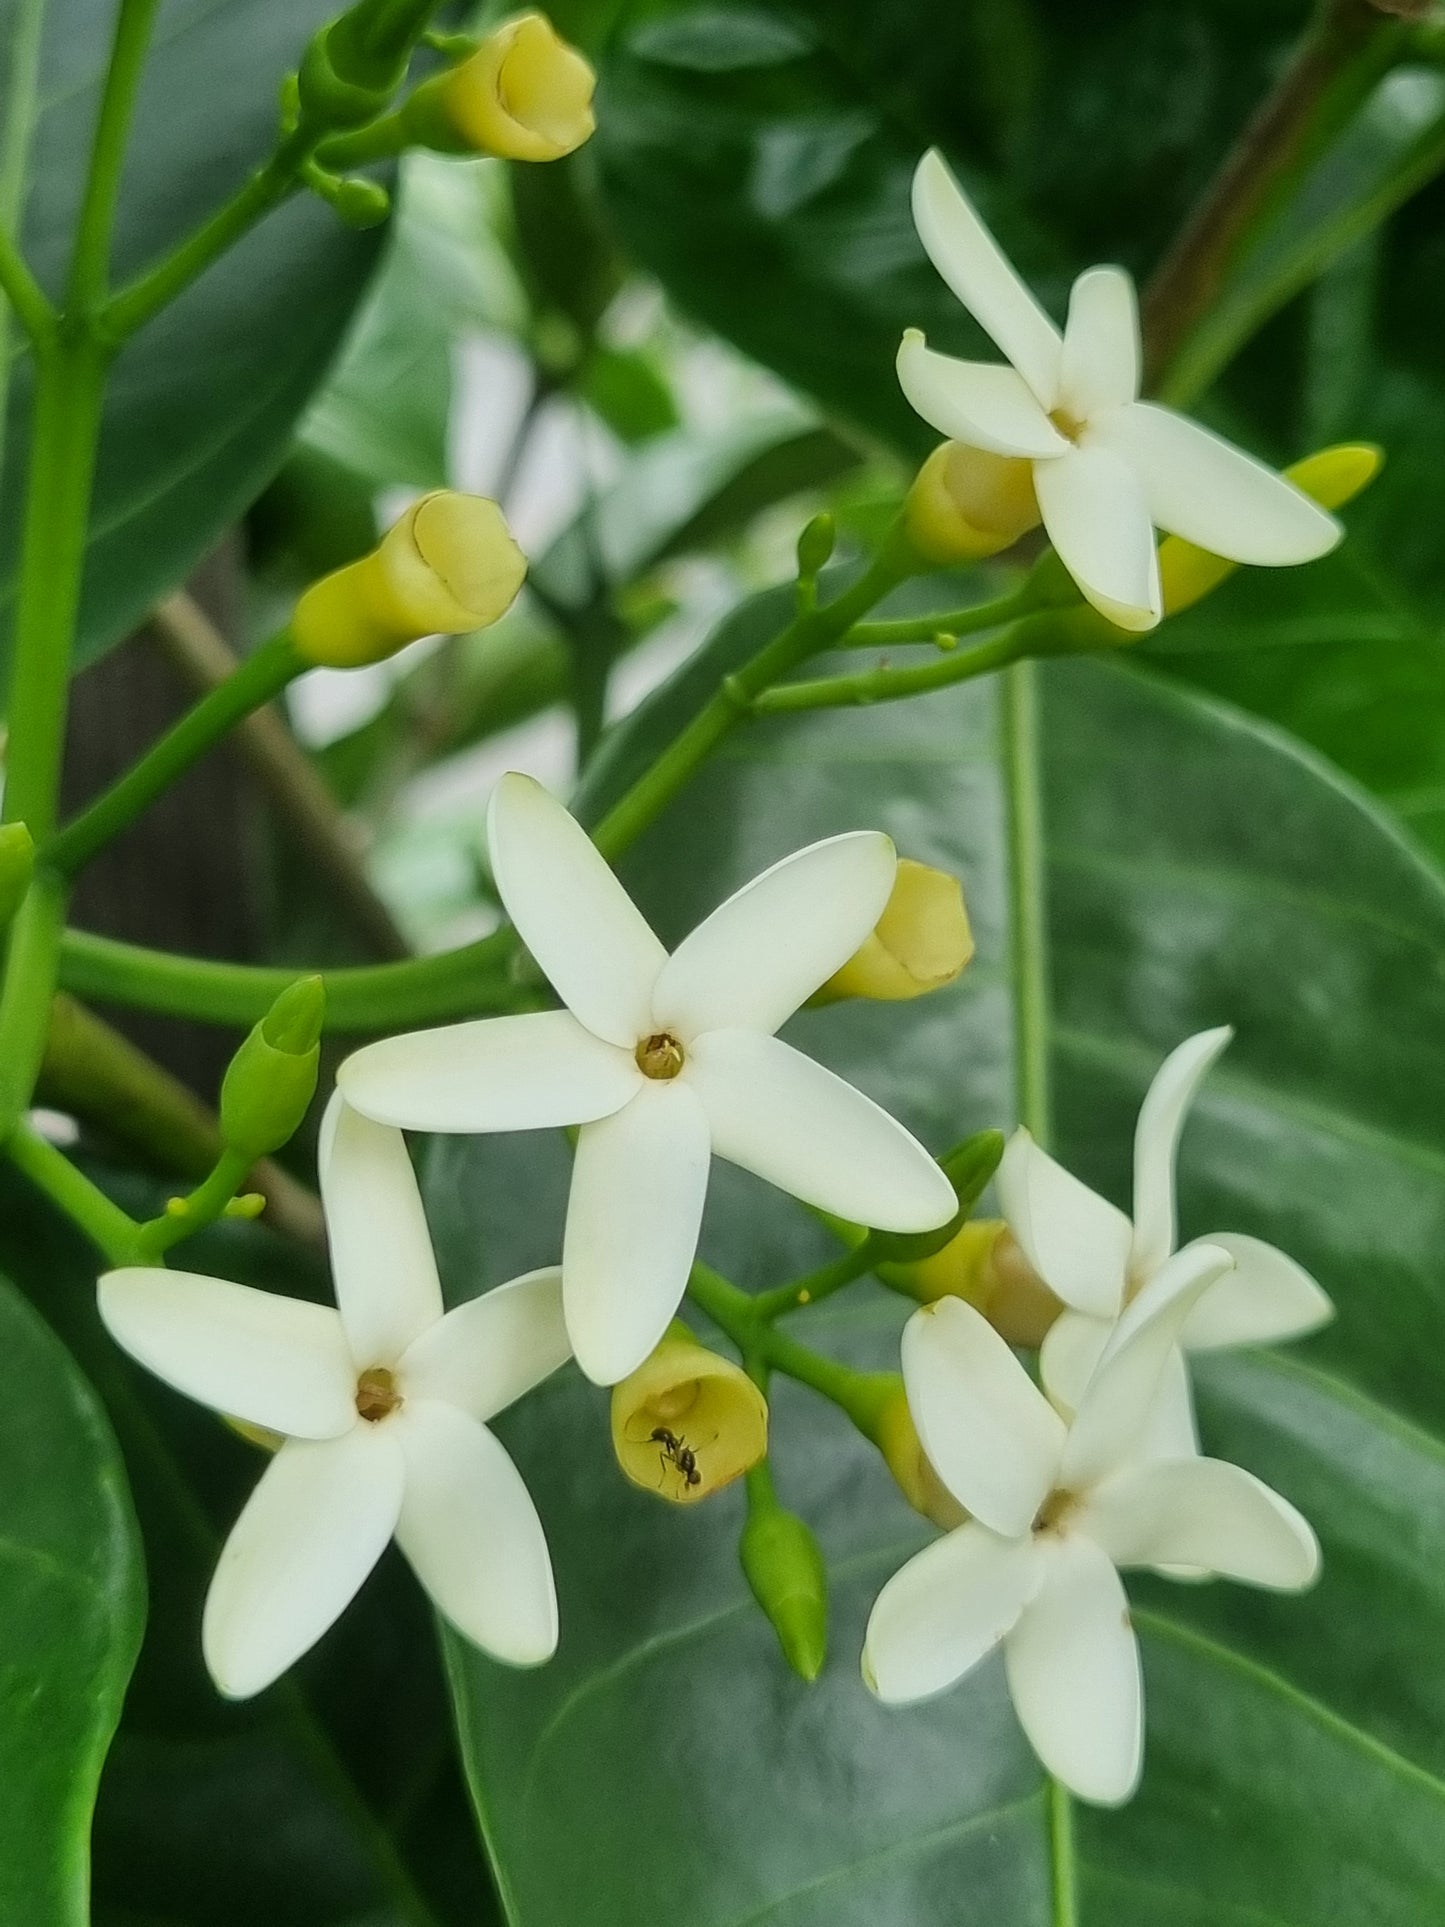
(678, 1452)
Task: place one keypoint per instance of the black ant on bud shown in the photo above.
(678, 1453)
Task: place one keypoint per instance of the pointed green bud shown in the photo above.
(815, 546)
(17, 866)
(272, 1078)
(968, 1168)
(784, 1566)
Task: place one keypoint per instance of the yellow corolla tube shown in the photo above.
(525, 94)
(687, 1422)
(920, 943)
(449, 566)
(966, 503)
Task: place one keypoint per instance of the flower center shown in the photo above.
(659, 1055)
(376, 1394)
(1055, 1509)
(1067, 424)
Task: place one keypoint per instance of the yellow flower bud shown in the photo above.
(984, 1264)
(920, 943)
(447, 567)
(896, 1437)
(524, 94)
(687, 1423)
(1331, 477)
(966, 504)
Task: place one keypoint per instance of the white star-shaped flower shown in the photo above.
(383, 1404)
(662, 1060)
(1094, 1258)
(1107, 468)
(1057, 1509)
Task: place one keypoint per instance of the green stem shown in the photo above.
(24, 294)
(736, 1314)
(90, 263)
(114, 1231)
(468, 982)
(805, 635)
(815, 1286)
(186, 1216)
(25, 997)
(949, 622)
(17, 127)
(260, 677)
(1040, 635)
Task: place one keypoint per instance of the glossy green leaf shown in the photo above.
(72, 1605)
(203, 402)
(1139, 864)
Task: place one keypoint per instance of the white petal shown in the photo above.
(1201, 487)
(1115, 1410)
(1170, 1432)
(1265, 1298)
(976, 268)
(486, 1353)
(496, 1074)
(944, 1611)
(1100, 368)
(1075, 1240)
(255, 1355)
(1095, 511)
(381, 1251)
(1156, 1141)
(984, 404)
(633, 1216)
(766, 950)
(588, 936)
(310, 1533)
(1072, 1347)
(784, 1117)
(1203, 1513)
(472, 1535)
(1073, 1671)
(989, 1433)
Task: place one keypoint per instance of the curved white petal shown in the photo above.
(976, 268)
(766, 950)
(1171, 1431)
(1202, 1513)
(381, 1251)
(1265, 1298)
(495, 1074)
(1097, 516)
(1072, 1347)
(471, 1533)
(1100, 365)
(784, 1117)
(486, 1353)
(989, 1433)
(1156, 1141)
(983, 404)
(1075, 1240)
(944, 1611)
(1073, 1671)
(633, 1215)
(254, 1355)
(1111, 1423)
(310, 1533)
(1201, 487)
(587, 935)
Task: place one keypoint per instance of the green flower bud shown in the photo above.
(815, 546)
(17, 866)
(271, 1080)
(329, 98)
(784, 1566)
(968, 1168)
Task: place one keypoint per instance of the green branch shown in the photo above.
(24, 293)
(950, 623)
(90, 262)
(104, 1223)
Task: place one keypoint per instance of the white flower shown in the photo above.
(1090, 1255)
(1057, 1510)
(662, 1060)
(1107, 467)
(383, 1404)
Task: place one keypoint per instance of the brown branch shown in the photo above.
(202, 654)
(1346, 48)
(102, 1080)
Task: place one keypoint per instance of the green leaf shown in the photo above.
(203, 402)
(72, 1605)
(1140, 864)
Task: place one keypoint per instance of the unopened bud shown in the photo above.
(784, 1566)
(984, 1264)
(920, 943)
(524, 95)
(447, 567)
(815, 546)
(1331, 477)
(17, 866)
(270, 1082)
(687, 1422)
(882, 1416)
(966, 503)
(968, 1168)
